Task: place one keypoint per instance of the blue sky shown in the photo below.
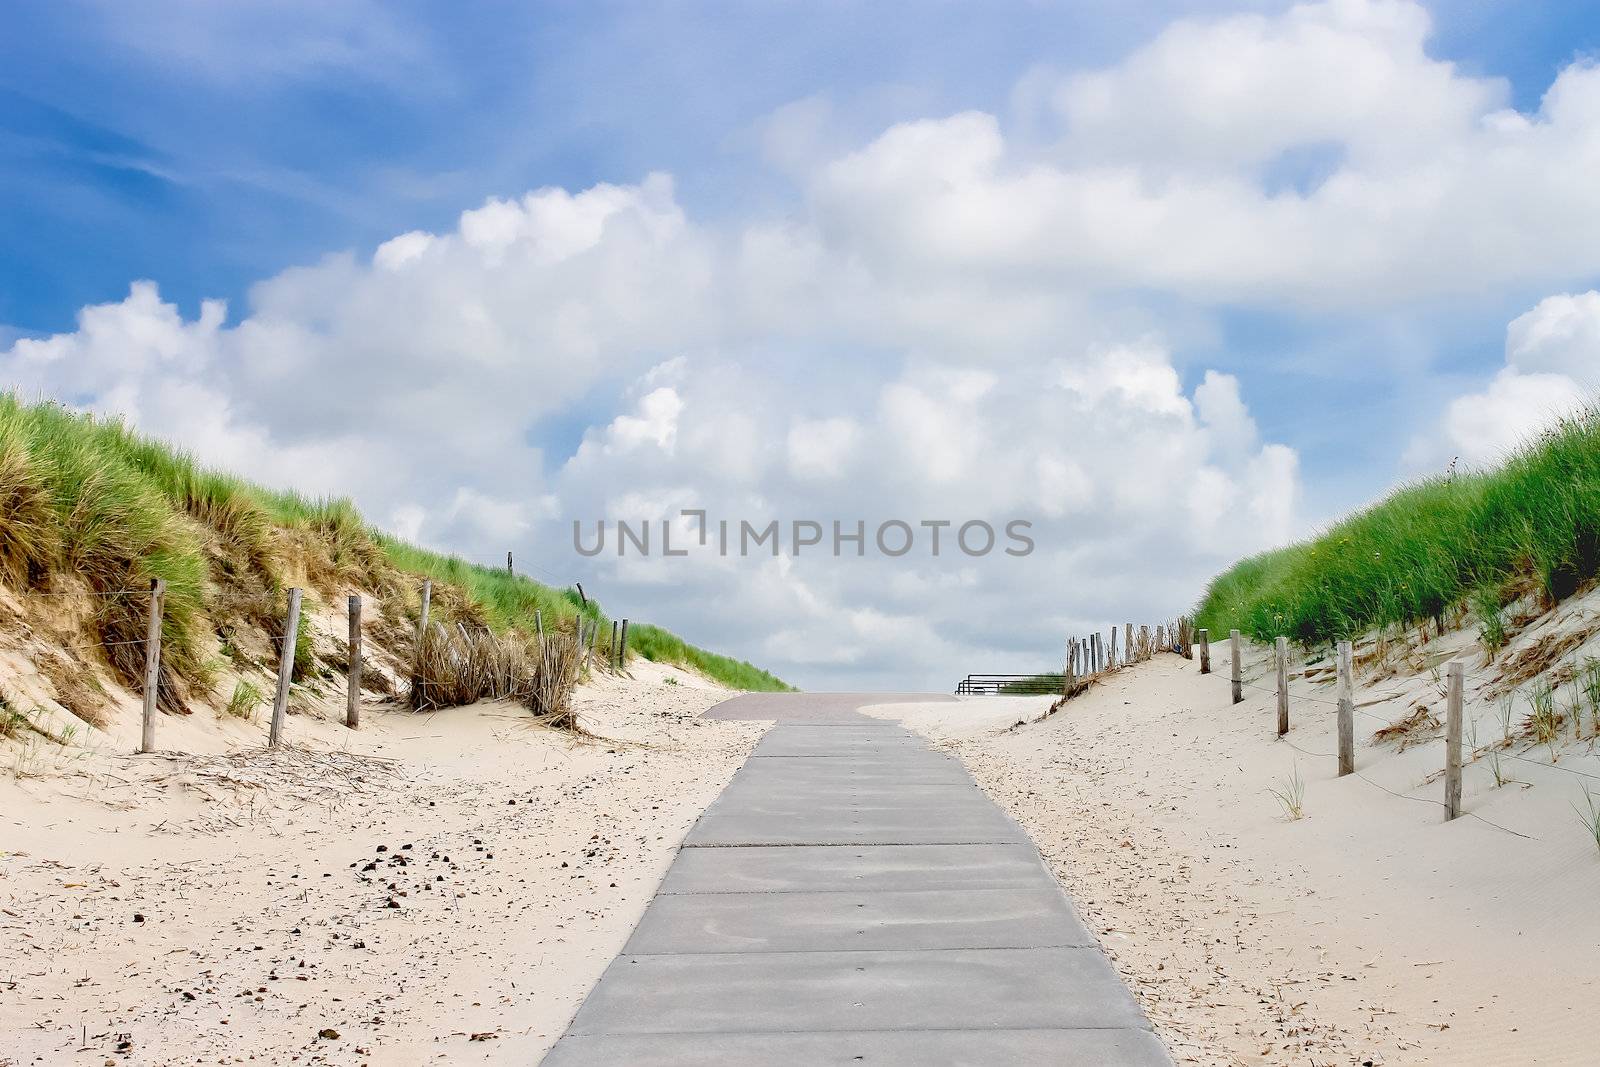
(227, 151)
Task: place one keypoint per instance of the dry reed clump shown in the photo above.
(550, 695)
(458, 666)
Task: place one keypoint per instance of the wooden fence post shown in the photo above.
(1237, 670)
(1127, 644)
(1205, 651)
(622, 654)
(152, 664)
(422, 622)
(1283, 685)
(280, 703)
(538, 623)
(611, 653)
(1347, 712)
(1452, 741)
(352, 707)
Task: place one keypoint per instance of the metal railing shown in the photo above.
(1009, 685)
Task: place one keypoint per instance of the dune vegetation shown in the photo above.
(1475, 540)
(91, 512)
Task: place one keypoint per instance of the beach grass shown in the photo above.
(1477, 539)
(88, 505)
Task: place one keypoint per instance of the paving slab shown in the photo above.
(873, 1048)
(853, 897)
(815, 707)
(955, 823)
(1026, 917)
(943, 989)
(832, 868)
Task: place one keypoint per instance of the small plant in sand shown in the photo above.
(1589, 683)
(245, 700)
(12, 721)
(1543, 721)
(1491, 753)
(1589, 815)
(25, 760)
(1491, 621)
(1290, 793)
(1506, 710)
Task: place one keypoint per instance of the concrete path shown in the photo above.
(853, 897)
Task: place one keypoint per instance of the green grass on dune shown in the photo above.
(1479, 539)
(654, 643)
(87, 497)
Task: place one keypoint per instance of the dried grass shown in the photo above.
(1539, 656)
(76, 689)
(550, 695)
(459, 666)
(1408, 730)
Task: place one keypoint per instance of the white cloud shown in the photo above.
(1176, 168)
(1236, 92)
(1559, 336)
(821, 448)
(1552, 366)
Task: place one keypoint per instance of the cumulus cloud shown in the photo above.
(1179, 169)
(1108, 458)
(1552, 368)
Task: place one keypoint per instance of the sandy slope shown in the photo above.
(1366, 932)
(432, 889)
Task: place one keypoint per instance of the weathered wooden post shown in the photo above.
(152, 664)
(510, 570)
(611, 653)
(1127, 644)
(538, 623)
(1452, 741)
(352, 706)
(622, 653)
(1237, 671)
(280, 703)
(1283, 685)
(1347, 712)
(1205, 651)
(422, 622)
(1144, 642)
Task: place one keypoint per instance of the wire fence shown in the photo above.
(589, 653)
(1474, 754)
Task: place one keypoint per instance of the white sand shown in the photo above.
(1366, 932)
(261, 929)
